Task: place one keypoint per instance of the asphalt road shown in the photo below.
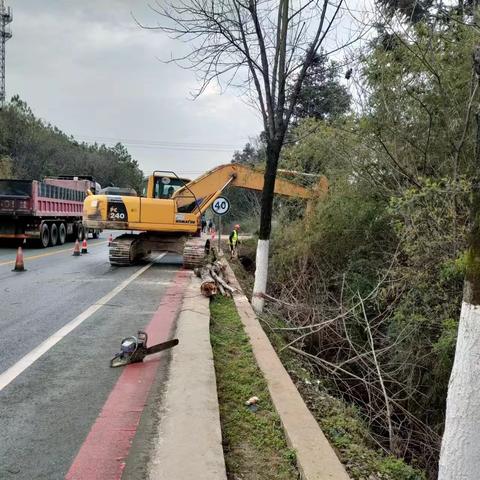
(48, 409)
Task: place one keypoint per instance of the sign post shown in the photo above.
(220, 206)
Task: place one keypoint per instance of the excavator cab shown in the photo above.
(160, 206)
(163, 185)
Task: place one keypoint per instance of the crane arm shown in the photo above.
(206, 188)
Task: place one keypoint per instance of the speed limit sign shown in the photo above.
(221, 206)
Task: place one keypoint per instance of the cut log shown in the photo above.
(208, 286)
(212, 281)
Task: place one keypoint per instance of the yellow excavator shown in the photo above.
(168, 215)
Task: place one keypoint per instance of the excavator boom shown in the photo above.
(205, 189)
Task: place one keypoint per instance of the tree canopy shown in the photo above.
(322, 95)
(31, 148)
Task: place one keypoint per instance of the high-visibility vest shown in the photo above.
(234, 237)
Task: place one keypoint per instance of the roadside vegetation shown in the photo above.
(31, 148)
(253, 441)
(368, 287)
(341, 422)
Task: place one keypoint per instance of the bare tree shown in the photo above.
(265, 47)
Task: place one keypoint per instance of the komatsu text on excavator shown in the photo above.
(168, 216)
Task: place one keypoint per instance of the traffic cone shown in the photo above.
(19, 267)
(110, 240)
(76, 249)
(84, 246)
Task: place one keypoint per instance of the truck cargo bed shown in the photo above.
(48, 211)
(23, 197)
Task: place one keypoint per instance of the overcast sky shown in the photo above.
(86, 67)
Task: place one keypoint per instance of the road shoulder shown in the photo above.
(189, 438)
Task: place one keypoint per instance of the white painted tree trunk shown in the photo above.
(460, 453)
(261, 274)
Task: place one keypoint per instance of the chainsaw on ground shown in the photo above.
(134, 349)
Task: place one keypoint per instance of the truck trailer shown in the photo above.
(48, 212)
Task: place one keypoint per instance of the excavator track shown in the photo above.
(125, 250)
(195, 252)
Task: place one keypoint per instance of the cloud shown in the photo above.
(87, 68)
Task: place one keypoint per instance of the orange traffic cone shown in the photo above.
(84, 246)
(19, 267)
(110, 240)
(76, 249)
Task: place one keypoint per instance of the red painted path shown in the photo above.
(103, 453)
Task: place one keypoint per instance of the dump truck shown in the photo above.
(48, 212)
(168, 216)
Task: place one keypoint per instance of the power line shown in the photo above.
(163, 144)
(186, 149)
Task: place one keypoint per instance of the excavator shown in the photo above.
(167, 217)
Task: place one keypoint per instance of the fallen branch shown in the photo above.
(220, 280)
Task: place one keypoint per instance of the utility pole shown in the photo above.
(5, 33)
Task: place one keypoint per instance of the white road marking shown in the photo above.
(15, 370)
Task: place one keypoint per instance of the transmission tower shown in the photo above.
(5, 34)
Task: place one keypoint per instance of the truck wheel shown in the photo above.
(80, 233)
(95, 234)
(62, 234)
(44, 235)
(53, 234)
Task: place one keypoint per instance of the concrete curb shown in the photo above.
(316, 459)
(189, 437)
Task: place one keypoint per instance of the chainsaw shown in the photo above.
(134, 349)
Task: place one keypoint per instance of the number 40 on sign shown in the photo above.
(221, 206)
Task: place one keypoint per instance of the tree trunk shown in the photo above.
(208, 286)
(261, 272)
(460, 453)
(460, 7)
